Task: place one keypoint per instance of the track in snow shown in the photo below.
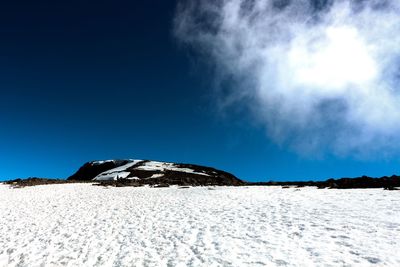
(84, 225)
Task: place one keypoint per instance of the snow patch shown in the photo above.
(114, 174)
(99, 162)
(163, 166)
(157, 175)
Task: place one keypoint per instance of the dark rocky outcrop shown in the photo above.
(32, 181)
(362, 182)
(389, 183)
(91, 169)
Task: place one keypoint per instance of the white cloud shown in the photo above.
(324, 77)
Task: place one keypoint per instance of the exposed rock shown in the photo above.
(385, 182)
(32, 181)
(91, 169)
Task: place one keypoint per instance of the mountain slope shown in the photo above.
(153, 172)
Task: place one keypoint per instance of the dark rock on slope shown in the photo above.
(389, 183)
(32, 181)
(91, 169)
(362, 182)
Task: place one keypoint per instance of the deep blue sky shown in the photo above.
(86, 80)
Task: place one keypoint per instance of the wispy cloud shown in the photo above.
(323, 75)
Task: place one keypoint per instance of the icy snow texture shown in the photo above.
(84, 225)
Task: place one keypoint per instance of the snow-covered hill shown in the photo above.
(146, 171)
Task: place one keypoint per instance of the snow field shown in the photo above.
(85, 225)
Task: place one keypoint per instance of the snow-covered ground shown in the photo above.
(84, 225)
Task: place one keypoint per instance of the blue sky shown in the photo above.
(84, 80)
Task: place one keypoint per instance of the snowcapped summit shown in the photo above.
(153, 172)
